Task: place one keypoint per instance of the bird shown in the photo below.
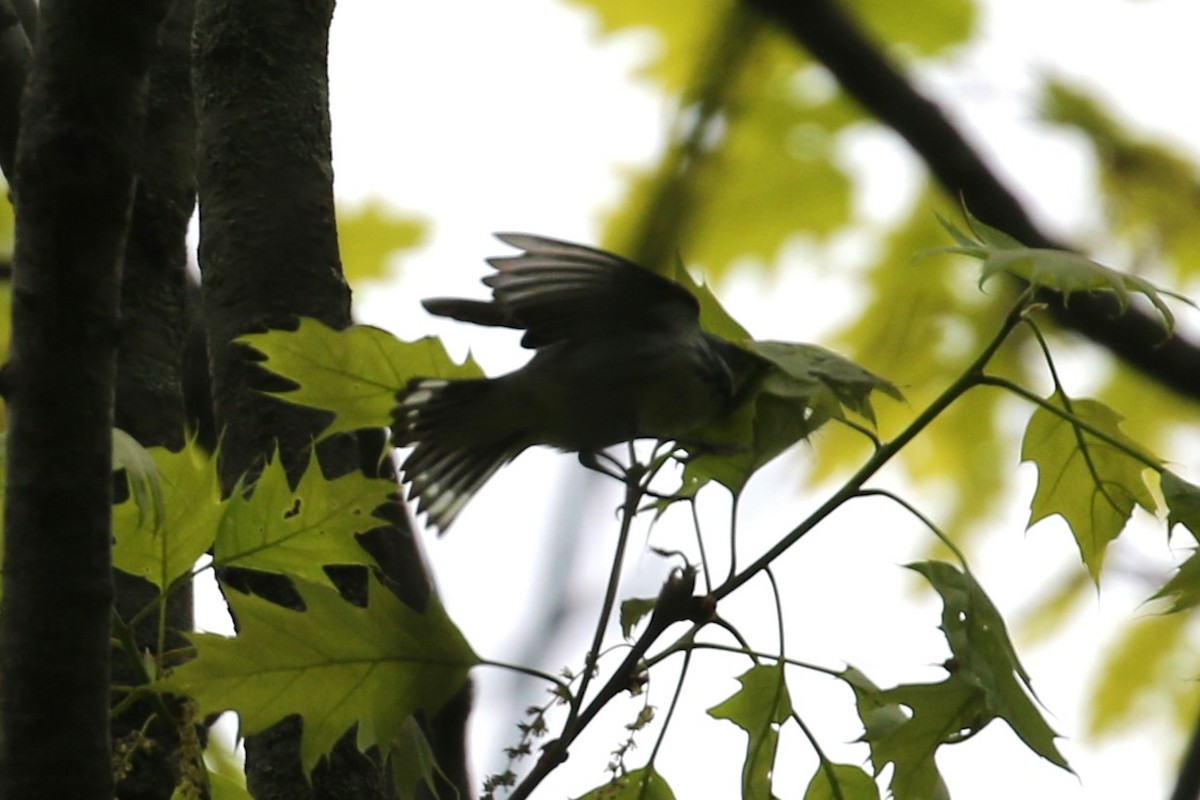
(619, 355)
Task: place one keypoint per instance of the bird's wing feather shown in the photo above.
(559, 291)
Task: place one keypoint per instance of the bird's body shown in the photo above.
(619, 356)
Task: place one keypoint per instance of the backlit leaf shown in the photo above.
(1183, 502)
(369, 235)
(1089, 482)
(984, 655)
(758, 708)
(632, 612)
(909, 739)
(334, 664)
(1061, 271)
(1151, 652)
(141, 474)
(297, 532)
(638, 784)
(906, 725)
(355, 372)
(802, 387)
(853, 783)
(410, 759)
(1183, 589)
(162, 546)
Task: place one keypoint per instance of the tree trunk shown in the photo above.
(81, 123)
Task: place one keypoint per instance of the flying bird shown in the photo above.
(618, 355)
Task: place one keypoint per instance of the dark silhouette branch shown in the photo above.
(835, 40)
(1187, 784)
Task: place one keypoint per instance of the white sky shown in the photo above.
(511, 116)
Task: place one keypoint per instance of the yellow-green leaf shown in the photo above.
(1092, 483)
(638, 784)
(1183, 502)
(1152, 652)
(298, 532)
(141, 474)
(758, 708)
(355, 372)
(1184, 587)
(1060, 271)
(163, 545)
(369, 235)
(334, 664)
(853, 783)
(1150, 191)
(410, 758)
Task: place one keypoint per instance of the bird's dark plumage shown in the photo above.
(619, 355)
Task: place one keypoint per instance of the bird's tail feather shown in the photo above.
(447, 465)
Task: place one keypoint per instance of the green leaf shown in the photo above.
(1149, 655)
(1149, 188)
(758, 708)
(334, 664)
(906, 725)
(225, 788)
(1050, 613)
(141, 473)
(1184, 587)
(985, 657)
(639, 784)
(296, 533)
(810, 372)
(681, 29)
(410, 759)
(925, 27)
(1183, 502)
(369, 235)
(713, 316)
(801, 388)
(165, 545)
(1061, 271)
(632, 612)
(1091, 483)
(355, 372)
(909, 740)
(853, 783)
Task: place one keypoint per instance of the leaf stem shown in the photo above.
(926, 521)
(1003, 383)
(634, 474)
(971, 377)
(662, 734)
(562, 685)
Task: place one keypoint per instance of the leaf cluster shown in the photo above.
(374, 666)
(337, 665)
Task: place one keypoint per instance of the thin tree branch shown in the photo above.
(1187, 785)
(833, 38)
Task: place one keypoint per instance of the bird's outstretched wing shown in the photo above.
(557, 291)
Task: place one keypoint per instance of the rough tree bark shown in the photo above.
(149, 388)
(269, 254)
(81, 123)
